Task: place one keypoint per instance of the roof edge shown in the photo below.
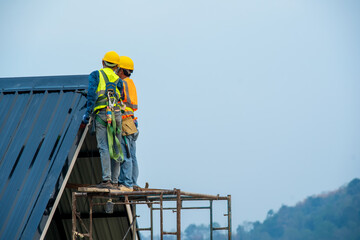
(44, 83)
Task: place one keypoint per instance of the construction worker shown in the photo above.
(129, 171)
(103, 103)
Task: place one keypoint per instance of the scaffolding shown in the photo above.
(154, 199)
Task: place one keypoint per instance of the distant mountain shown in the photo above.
(335, 215)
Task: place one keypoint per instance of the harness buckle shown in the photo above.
(111, 98)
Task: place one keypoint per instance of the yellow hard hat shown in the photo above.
(126, 63)
(111, 57)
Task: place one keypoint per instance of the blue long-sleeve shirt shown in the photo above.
(92, 96)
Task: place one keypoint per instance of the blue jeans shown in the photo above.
(129, 170)
(110, 167)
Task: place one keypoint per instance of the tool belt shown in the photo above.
(128, 126)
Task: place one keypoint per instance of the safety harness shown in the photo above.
(111, 99)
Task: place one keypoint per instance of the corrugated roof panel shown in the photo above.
(10, 118)
(39, 122)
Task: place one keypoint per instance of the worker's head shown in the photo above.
(111, 60)
(126, 67)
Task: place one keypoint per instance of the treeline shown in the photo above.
(331, 216)
(334, 215)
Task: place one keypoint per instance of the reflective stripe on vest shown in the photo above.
(130, 95)
(128, 113)
(101, 101)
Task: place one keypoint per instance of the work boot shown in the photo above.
(124, 188)
(136, 188)
(105, 184)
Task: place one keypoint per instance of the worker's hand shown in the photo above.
(85, 119)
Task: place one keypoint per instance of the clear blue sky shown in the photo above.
(257, 99)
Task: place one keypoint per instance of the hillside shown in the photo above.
(335, 215)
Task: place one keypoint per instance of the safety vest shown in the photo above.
(130, 98)
(102, 101)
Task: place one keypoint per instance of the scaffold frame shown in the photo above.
(152, 198)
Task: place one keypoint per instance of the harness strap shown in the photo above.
(104, 76)
(113, 84)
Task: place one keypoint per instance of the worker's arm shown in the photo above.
(120, 86)
(91, 95)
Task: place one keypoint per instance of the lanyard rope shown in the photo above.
(115, 150)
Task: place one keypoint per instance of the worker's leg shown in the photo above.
(115, 165)
(115, 171)
(126, 167)
(102, 143)
(135, 169)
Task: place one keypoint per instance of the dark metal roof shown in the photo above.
(39, 122)
(39, 138)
